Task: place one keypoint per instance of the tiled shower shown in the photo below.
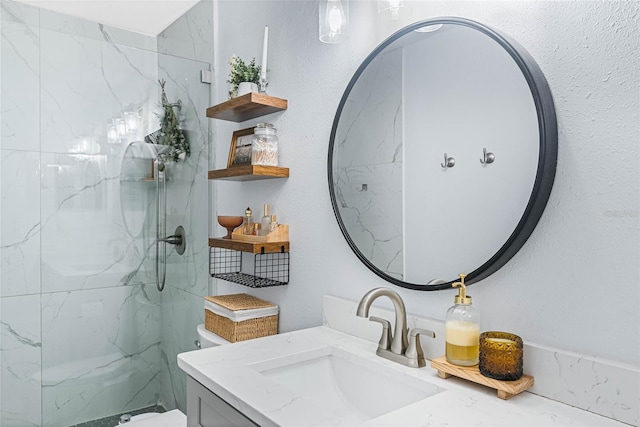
(85, 334)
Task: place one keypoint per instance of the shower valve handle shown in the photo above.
(173, 240)
(178, 239)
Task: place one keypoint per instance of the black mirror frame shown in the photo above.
(547, 157)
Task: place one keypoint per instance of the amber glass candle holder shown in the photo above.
(500, 355)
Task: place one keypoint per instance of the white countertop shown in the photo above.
(226, 371)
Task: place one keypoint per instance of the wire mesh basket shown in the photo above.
(269, 269)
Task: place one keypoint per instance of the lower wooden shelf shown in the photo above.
(506, 389)
(251, 247)
(249, 173)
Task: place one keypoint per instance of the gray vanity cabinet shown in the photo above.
(205, 409)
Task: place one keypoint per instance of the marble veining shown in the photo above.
(86, 83)
(20, 364)
(366, 176)
(190, 36)
(110, 368)
(229, 371)
(20, 65)
(91, 30)
(374, 213)
(372, 115)
(77, 241)
(20, 227)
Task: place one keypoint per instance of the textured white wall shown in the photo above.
(575, 284)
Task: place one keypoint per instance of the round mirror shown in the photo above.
(442, 153)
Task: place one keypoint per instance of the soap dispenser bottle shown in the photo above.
(462, 329)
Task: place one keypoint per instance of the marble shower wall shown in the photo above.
(368, 177)
(185, 48)
(80, 315)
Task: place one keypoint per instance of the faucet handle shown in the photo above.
(414, 351)
(385, 339)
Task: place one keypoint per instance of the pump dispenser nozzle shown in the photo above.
(462, 297)
(462, 329)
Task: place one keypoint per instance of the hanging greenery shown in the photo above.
(170, 132)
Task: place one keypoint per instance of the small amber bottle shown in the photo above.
(462, 329)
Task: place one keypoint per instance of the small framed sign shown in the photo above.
(240, 150)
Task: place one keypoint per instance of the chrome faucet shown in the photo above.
(395, 346)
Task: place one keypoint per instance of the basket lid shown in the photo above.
(239, 302)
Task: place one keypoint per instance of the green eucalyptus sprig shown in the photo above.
(170, 132)
(243, 72)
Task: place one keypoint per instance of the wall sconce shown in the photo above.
(395, 8)
(334, 21)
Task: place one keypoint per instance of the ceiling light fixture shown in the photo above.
(334, 21)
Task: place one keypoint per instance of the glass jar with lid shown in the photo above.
(264, 146)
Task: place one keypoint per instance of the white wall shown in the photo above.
(575, 284)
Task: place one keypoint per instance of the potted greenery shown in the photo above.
(243, 78)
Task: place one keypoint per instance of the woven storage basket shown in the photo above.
(240, 317)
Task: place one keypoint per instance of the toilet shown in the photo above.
(175, 418)
(209, 339)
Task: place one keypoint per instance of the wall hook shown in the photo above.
(487, 158)
(449, 162)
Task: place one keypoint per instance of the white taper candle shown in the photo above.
(263, 71)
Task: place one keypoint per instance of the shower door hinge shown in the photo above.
(205, 76)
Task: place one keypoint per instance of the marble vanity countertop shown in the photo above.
(227, 372)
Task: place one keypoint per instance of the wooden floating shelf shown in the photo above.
(249, 173)
(506, 389)
(254, 248)
(247, 107)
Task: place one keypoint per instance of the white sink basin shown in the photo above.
(344, 384)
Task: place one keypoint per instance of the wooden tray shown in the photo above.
(506, 389)
(280, 234)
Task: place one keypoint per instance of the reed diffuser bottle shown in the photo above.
(247, 225)
(462, 329)
(266, 221)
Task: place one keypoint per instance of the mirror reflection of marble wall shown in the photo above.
(368, 171)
